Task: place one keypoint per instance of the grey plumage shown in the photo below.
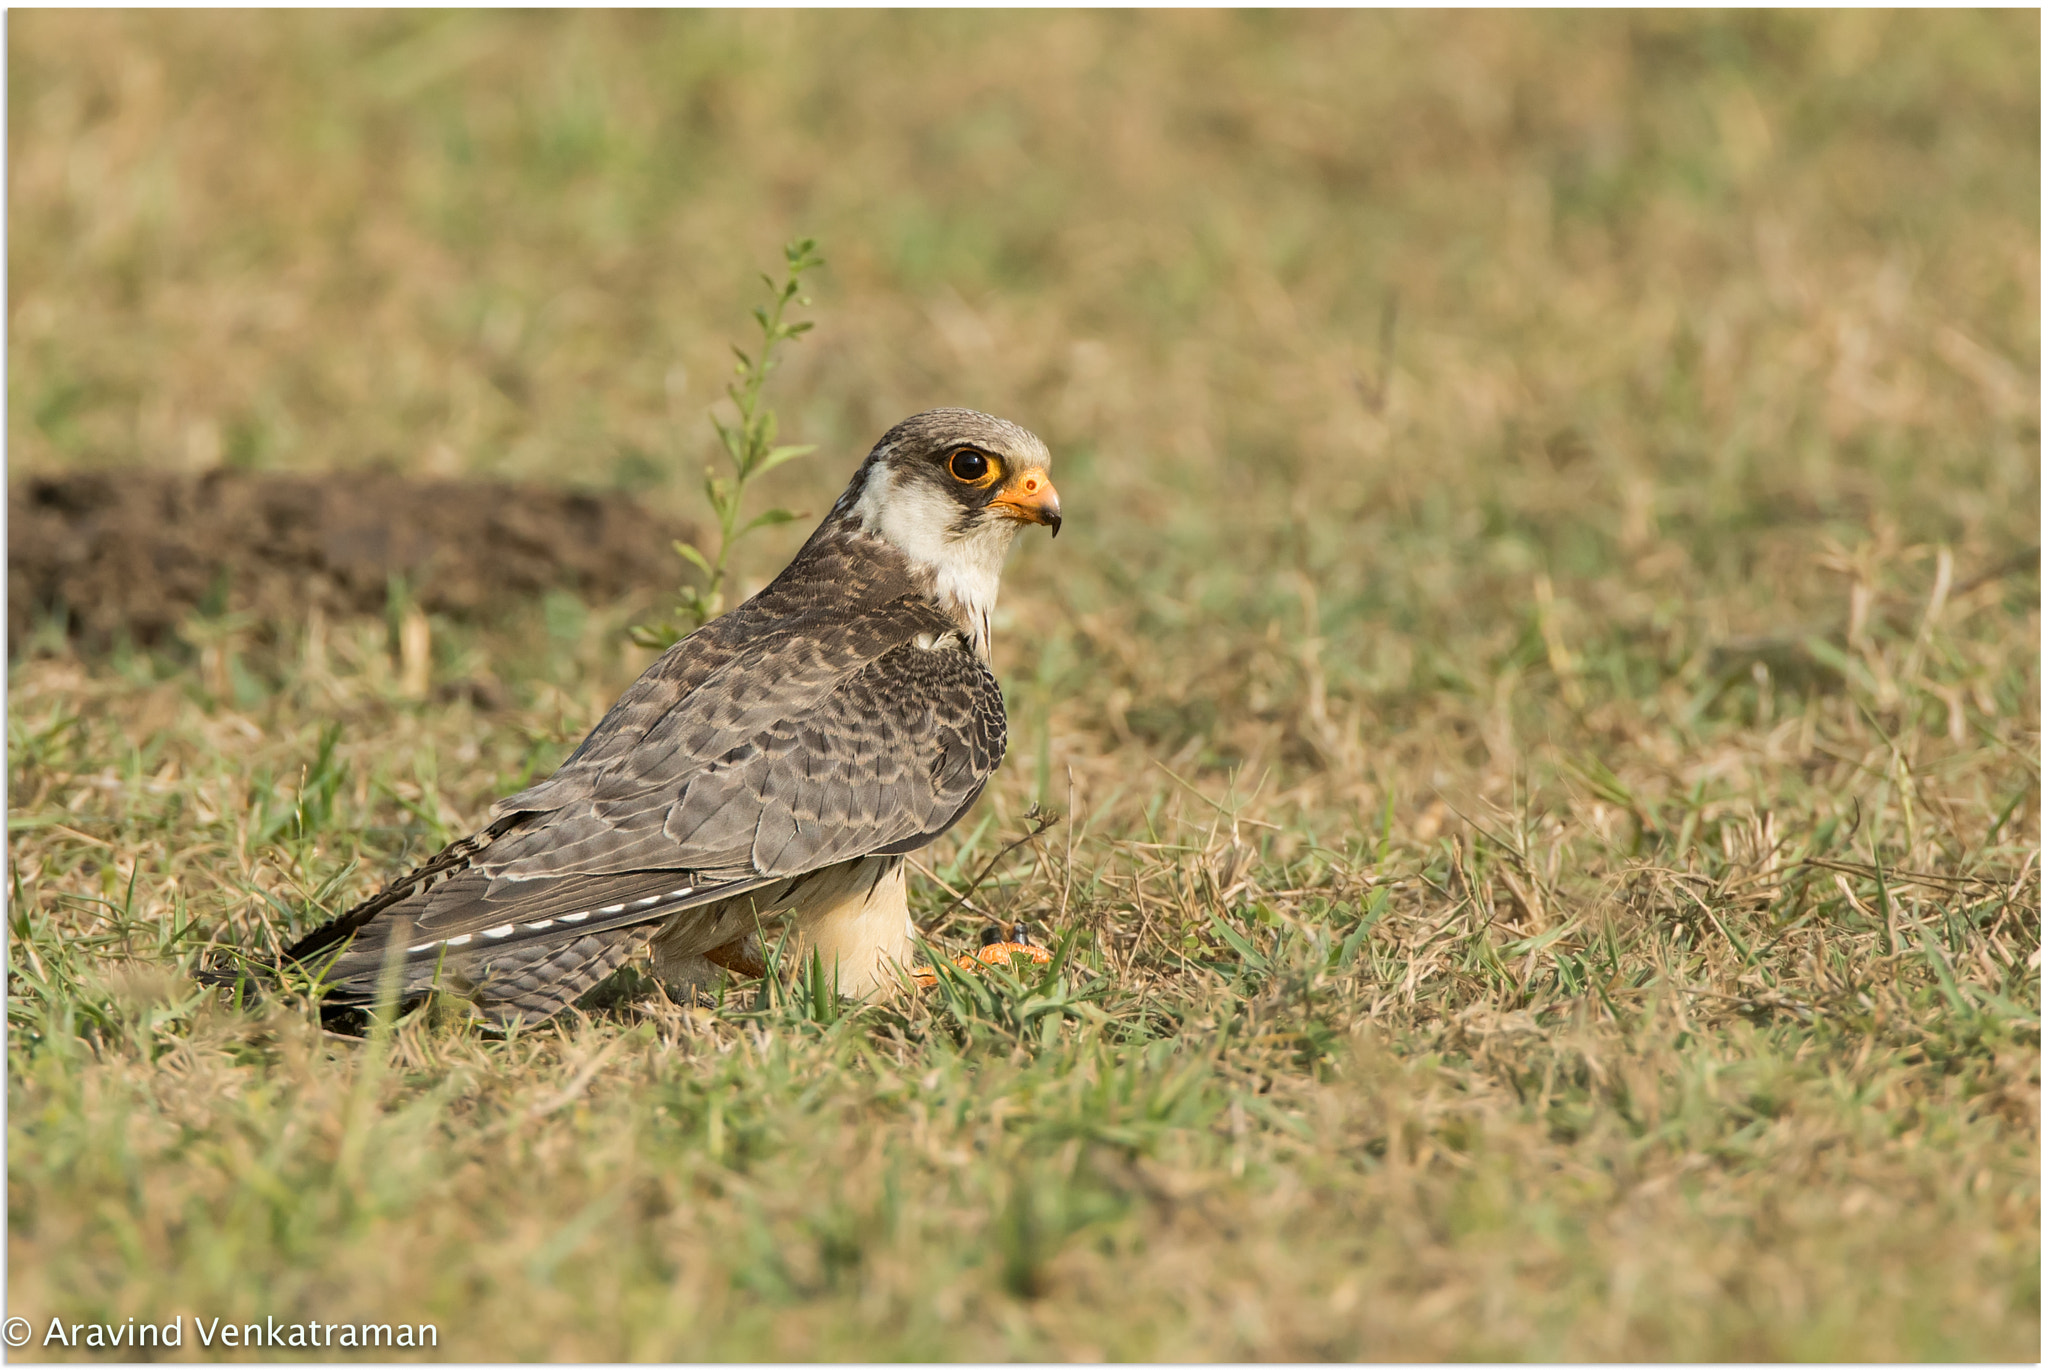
(845, 712)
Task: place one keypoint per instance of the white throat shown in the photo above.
(965, 567)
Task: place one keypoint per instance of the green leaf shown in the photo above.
(1063, 953)
(1604, 782)
(1524, 946)
(734, 439)
(1239, 943)
(1375, 906)
(768, 518)
(788, 452)
(659, 636)
(1835, 659)
(749, 444)
(693, 556)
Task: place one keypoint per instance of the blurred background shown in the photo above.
(1619, 430)
(1358, 321)
(1550, 289)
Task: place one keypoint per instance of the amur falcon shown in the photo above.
(779, 761)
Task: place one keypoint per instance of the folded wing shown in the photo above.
(729, 767)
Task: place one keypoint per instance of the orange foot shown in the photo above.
(999, 945)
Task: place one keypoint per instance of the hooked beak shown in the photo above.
(1029, 497)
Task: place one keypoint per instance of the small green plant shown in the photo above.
(751, 447)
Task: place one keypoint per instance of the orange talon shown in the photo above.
(1000, 953)
(1000, 946)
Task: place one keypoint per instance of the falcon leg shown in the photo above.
(690, 975)
(856, 916)
(742, 957)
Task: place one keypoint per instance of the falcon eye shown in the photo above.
(968, 465)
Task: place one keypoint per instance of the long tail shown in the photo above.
(517, 984)
(519, 949)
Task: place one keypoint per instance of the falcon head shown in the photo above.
(950, 489)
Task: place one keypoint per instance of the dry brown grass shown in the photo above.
(1542, 674)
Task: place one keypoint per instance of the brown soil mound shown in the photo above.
(140, 550)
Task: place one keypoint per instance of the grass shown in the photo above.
(1541, 679)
